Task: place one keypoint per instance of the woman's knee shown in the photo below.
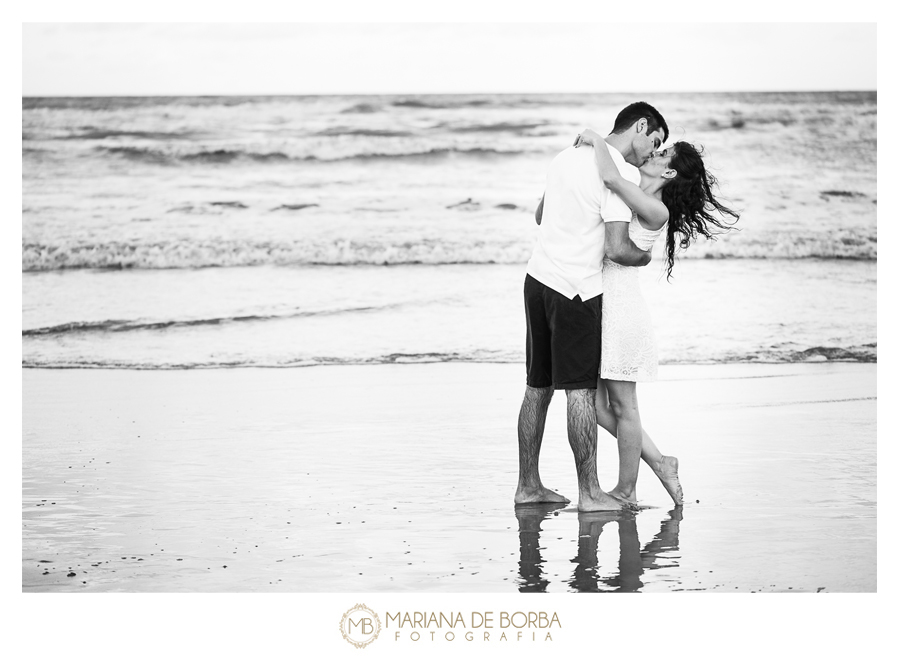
(623, 404)
(605, 417)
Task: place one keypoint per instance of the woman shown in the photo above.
(676, 197)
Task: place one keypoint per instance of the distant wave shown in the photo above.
(431, 153)
(114, 103)
(362, 132)
(362, 108)
(447, 101)
(103, 133)
(441, 103)
(503, 126)
(136, 153)
(763, 116)
(217, 156)
(226, 156)
(113, 326)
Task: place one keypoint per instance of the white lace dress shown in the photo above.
(628, 345)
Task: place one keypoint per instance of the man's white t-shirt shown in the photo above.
(569, 252)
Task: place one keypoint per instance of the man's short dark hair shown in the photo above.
(637, 111)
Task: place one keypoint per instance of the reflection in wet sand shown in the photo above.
(590, 525)
(632, 563)
(531, 573)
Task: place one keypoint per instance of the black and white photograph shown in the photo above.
(449, 308)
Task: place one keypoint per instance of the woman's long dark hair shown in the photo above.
(690, 201)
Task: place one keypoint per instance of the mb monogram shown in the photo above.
(360, 626)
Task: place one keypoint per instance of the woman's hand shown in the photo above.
(587, 138)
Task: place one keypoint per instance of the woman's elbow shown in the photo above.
(612, 182)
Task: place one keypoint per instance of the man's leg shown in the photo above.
(532, 417)
(581, 420)
(538, 392)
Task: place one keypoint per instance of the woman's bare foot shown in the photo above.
(666, 470)
(538, 495)
(616, 493)
(603, 502)
(627, 503)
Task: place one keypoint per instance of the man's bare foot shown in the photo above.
(538, 495)
(601, 502)
(627, 503)
(618, 494)
(666, 470)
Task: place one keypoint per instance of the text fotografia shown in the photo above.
(481, 626)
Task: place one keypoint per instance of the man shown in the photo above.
(580, 219)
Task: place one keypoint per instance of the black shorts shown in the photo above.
(563, 342)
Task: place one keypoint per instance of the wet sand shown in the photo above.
(399, 478)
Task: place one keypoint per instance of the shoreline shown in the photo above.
(818, 359)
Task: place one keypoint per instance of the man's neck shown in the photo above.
(622, 144)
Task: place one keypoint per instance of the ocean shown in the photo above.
(224, 232)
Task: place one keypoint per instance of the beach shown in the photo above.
(399, 478)
(277, 344)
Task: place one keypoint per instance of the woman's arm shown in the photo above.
(652, 210)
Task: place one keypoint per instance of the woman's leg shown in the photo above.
(629, 433)
(649, 452)
(605, 419)
(665, 468)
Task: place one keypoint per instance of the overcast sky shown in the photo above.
(308, 58)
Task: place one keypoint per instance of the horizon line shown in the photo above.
(450, 93)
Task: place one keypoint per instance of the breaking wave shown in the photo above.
(186, 254)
